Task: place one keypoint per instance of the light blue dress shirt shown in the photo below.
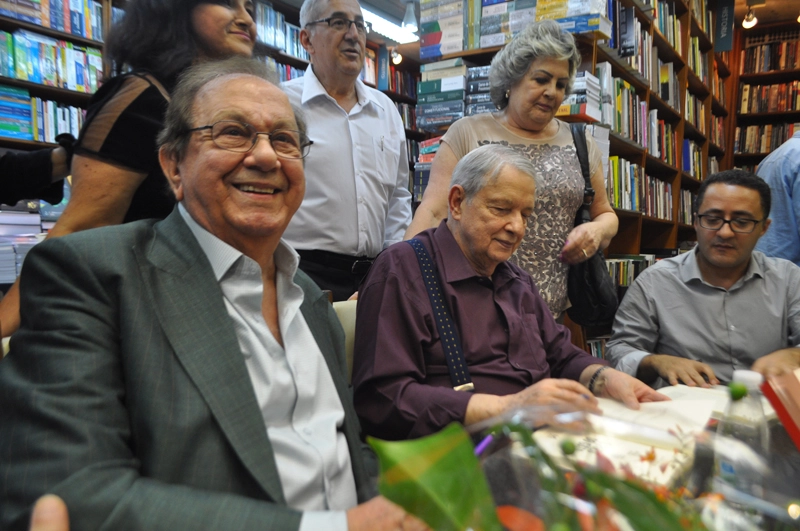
(781, 170)
(670, 309)
(293, 387)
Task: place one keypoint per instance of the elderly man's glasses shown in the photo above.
(241, 138)
(342, 24)
(740, 225)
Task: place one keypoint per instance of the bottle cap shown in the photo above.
(750, 378)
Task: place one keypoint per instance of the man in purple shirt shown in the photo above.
(517, 355)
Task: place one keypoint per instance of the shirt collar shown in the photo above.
(312, 88)
(690, 270)
(456, 265)
(222, 256)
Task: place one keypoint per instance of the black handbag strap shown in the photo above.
(579, 138)
(456, 364)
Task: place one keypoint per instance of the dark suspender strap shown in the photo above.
(448, 335)
(579, 138)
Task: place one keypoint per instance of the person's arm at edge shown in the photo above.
(787, 359)
(101, 194)
(433, 208)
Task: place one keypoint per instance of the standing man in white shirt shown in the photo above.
(357, 199)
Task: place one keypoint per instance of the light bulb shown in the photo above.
(396, 57)
(750, 19)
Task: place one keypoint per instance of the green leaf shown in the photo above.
(438, 479)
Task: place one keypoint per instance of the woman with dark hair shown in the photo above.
(116, 176)
(528, 81)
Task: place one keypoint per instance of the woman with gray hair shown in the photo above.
(529, 79)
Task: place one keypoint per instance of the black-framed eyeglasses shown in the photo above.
(342, 24)
(239, 137)
(740, 225)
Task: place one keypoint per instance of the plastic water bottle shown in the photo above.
(741, 461)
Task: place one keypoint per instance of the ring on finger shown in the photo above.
(584, 253)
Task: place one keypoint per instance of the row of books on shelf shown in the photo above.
(450, 26)
(762, 138)
(629, 188)
(426, 151)
(28, 56)
(630, 115)
(698, 60)
(273, 30)
(77, 17)
(718, 131)
(686, 210)
(26, 118)
(285, 72)
(779, 97)
(778, 50)
(669, 24)
(49, 119)
(408, 114)
(449, 90)
(692, 156)
(695, 112)
(718, 85)
(704, 17)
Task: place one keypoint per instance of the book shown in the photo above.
(443, 72)
(440, 65)
(383, 68)
(431, 109)
(474, 87)
(437, 97)
(441, 85)
(783, 392)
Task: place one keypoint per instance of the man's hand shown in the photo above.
(547, 392)
(379, 514)
(625, 388)
(554, 391)
(779, 362)
(676, 370)
(49, 514)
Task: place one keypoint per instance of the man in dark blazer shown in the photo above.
(128, 391)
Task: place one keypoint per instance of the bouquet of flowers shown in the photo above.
(543, 469)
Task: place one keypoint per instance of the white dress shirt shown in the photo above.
(294, 389)
(357, 199)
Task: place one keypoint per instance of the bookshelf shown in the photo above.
(50, 64)
(668, 121)
(767, 102)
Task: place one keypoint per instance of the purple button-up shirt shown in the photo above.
(508, 336)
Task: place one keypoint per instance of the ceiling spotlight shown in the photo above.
(798, 18)
(396, 57)
(410, 19)
(750, 19)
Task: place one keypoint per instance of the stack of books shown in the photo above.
(83, 18)
(441, 27)
(502, 20)
(15, 113)
(440, 94)
(584, 102)
(478, 99)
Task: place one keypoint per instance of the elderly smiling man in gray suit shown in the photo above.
(184, 374)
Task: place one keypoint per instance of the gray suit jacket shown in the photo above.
(126, 392)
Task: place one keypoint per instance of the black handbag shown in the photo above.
(590, 288)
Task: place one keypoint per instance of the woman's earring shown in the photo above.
(508, 93)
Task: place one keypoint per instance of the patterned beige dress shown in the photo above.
(556, 202)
